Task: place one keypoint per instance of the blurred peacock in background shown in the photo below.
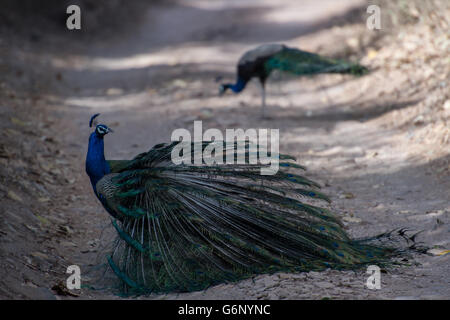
(187, 227)
(261, 61)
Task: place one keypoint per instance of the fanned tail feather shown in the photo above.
(185, 227)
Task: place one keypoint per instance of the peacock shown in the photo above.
(261, 61)
(183, 227)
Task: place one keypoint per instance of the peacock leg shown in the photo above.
(263, 102)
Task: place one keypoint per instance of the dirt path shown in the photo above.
(162, 77)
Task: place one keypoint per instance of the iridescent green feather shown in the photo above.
(186, 227)
(305, 63)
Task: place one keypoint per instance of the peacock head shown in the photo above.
(223, 88)
(100, 129)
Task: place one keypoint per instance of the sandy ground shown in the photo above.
(363, 139)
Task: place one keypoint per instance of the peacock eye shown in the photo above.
(101, 130)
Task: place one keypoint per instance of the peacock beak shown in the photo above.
(107, 129)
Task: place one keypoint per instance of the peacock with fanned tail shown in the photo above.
(187, 227)
(261, 61)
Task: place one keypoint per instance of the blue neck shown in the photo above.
(238, 86)
(96, 165)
